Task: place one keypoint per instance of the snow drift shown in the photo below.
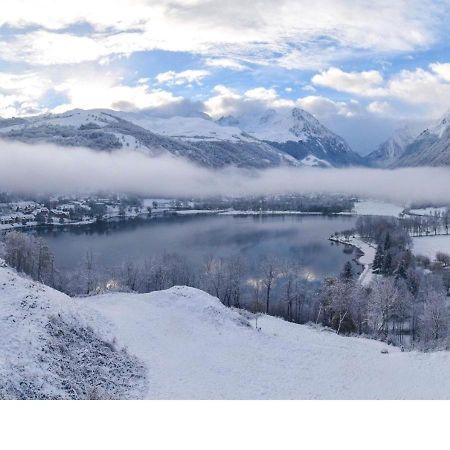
(52, 348)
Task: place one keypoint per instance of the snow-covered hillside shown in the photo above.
(52, 347)
(287, 137)
(297, 133)
(431, 147)
(196, 348)
(392, 149)
(184, 344)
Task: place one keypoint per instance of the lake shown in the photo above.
(302, 239)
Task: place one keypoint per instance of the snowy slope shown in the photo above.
(431, 147)
(297, 133)
(283, 137)
(184, 344)
(53, 348)
(196, 348)
(196, 138)
(392, 149)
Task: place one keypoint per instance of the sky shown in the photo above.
(363, 68)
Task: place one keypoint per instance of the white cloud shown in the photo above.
(366, 83)
(178, 78)
(291, 33)
(378, 107)
(225, 63)
(109, 92)
(322, 107)
(422, 88)
(20, 93)
(443, 70)
(428, 90)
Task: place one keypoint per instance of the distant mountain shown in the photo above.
(289, 137)
(299, 134)
(430, 148)
(390, 151)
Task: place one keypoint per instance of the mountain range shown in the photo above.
(271, 138)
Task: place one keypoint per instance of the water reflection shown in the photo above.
(299, 239)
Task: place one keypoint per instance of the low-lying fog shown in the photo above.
(46, 168)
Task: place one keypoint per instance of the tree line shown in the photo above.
(405, 304)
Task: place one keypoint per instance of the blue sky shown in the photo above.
(363, 68)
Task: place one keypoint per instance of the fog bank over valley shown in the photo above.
(47, 168)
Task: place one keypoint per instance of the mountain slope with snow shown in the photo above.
(110, 130)
(297, 133)
(390, 151)
(290, 137)
(430, 148)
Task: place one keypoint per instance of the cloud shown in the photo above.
(289, 33)
(225, 63)
(178, 78)
(323, 106)
(20, 93)
(379, 107)
(366, 83)
(76, 170)
(427, 89)
(442, 70)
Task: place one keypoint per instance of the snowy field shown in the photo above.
(195, 348)
(377, 208)
(428, 211)
(184, 344)
(430, 245)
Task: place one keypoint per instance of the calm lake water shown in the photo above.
(301, 239)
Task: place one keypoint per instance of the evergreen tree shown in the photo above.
(387, 265)
(401, 271)
(378, 261)
(347, 272)
(387, 242)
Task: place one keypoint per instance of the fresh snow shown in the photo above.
(189, 128)
(52, 347)
(313, 161)
(192, 347)
(196, 348)
(428, 211)
(366, 259)
(430, 245)
(377, 208)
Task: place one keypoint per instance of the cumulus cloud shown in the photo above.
(47, 168)
(97, 90)
(20, 93)
(365, 83)
(178, 78)
(443, 70)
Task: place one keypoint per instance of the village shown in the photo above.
(57, 211)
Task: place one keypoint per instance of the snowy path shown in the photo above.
(366, 259)
(195, 348)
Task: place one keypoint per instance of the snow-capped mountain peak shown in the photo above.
(271, 138)
(441, 125)
(392, 149)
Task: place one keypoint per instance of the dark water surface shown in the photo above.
(301, 239)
